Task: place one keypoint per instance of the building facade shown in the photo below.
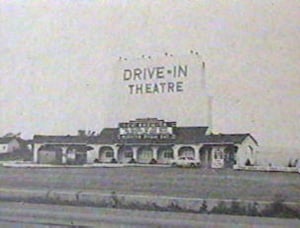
(148, 141)
(60, 149)
(9, 144)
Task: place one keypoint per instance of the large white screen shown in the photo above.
(170, 88)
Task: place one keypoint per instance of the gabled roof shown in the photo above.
(184, 135)
(107, 136)
(227, 138)
(6, 140)
(190, 134)
(59, 139)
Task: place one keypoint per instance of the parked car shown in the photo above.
(185, 161)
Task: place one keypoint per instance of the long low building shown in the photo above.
(148, 140)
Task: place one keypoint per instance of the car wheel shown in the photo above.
(173, 164)
(193, 165)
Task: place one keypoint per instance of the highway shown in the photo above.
(41, 216)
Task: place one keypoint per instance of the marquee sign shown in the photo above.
(157, 79)
(165, 87)
(147, 128)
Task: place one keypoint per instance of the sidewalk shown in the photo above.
(29, 164)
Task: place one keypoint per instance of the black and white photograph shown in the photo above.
(174, 113)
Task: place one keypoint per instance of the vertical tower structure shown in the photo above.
(209, 99)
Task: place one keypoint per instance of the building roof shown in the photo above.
(107, 136)
(184, 135)
(60, 139)
(227, 138)
(6, 140)
(190, 134)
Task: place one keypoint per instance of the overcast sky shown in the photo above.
(57, 58)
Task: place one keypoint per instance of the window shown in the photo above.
(128, 154)
(218, 154)
(168, 154)
(109, 154)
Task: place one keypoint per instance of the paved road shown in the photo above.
(38, 215)
(201, 183)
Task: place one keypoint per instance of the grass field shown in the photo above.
(202, 183)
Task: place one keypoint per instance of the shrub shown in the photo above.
(115, 201)
(173, 206)
(113, 160)
(248, 162)
(252, 209)
(153, 161)
(279, 209)
(236, 209)
(203, 208)
(221, 208)
(132, 161)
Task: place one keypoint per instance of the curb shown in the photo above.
(268, 169)
(116, 200)
(17, 164)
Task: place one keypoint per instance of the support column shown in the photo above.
(134, 150)
(64, 155)
(206, 152)
(176, 152)
(36, 148)
(239, 154)
(197, 152)
(116, 152)
(155, 151)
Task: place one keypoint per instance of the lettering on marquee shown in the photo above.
(155, 80)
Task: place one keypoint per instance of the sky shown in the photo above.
(57, 59)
